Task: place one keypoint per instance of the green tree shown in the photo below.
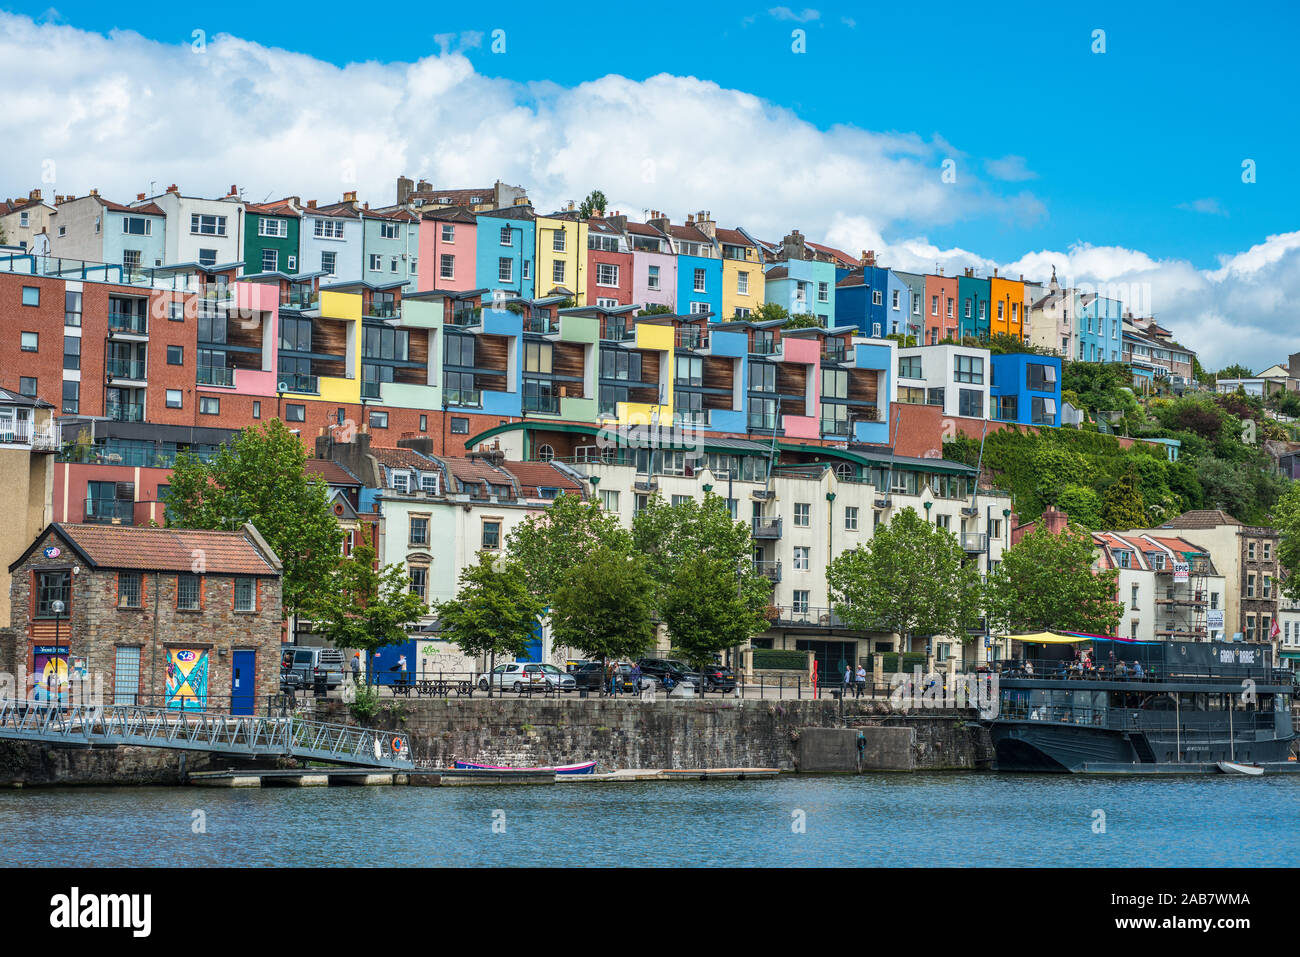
(1286, 518)
(547, 545)
(259, 478)
(1081, 504)
(1045, 582)
(769, 312)
(910, 578)
(365, 608)
(603, 607)
(655, 309)
(708, 593)
(1122, 504)
(493, 612)
(804, 320)
(1235, 371)
(593, 205)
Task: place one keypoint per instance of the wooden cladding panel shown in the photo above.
(329, 336)
(864, 385)
(245, 332)
(720, 372)
(493, 352)
(791, 379)
(567, 359)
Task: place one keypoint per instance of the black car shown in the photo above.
(718, 678)
(590, 676)
(670, 671)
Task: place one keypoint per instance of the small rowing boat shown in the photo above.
(1232, 767)
(586, 767)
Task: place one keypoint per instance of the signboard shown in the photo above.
(1214, 619)
(1180, 571)
(187, 679)
(50, 673)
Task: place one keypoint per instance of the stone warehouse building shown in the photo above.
(187, 618)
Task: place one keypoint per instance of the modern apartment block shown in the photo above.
(955, 378)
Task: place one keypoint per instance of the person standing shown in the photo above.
(848, 680)
(861, 682)
(356, 668)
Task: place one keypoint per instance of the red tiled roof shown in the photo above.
(533, 476)
(403, 459)
(689, 233)
(148, 209)
(335, 209)
(1202, 518)
(279, 207)
(476, 472)
(644, 229)
(839, 254)
(167, 549)
(733, 237)
(331, 472)
(401, 214)
(458, 197)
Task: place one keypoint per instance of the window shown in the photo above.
(507, 239)
(679, 500)
(606, 274)
(851, 518)
(459, 426)
(609, 500)
(393, 265)
(505, 269)
(27, 386)
(802, 513)
(652, 278)
(30, 341)
(378, 420)
(174, 398)
(273, 228)
(209, 405)
(131, 260)
(202, 225)
(1250, 551)
(1040, 377)
(934, 305)
(128, 589)
(72, 309)
(207, 257)
(328, 229)
(801, 558)
(420, 581)
(970, 403)
(557, 269)
(491, 535)
(126, 676)
(376, 262)
(71, 397)
(537, 357)
(328, 261)
(446, 266)
(448, 233)
(293, 412)
(742, 284)
(1044, 411)
(245, 594)
(1134, 603)
(970, 369)
(526, 272)
(176, 355)
(700, 281)
(72, 352)
(950, 302)
(1267, 547)
(800, 604)
(1124, 558)
(545, 453)
(1267, 582)
(419, 530)
(424, 423)
(270, 260)
(187, 592)
(909, 367)
(257, 409)
(52, 586)
(823, 292)
(1000, 307)
(388, 230)
(559, 238)
(1250, 585)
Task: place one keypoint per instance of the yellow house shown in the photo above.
(742, 274)
(335, 331)
(561, 254)
(1007, 306)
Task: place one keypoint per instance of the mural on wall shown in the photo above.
(50, 673)
(187, 679)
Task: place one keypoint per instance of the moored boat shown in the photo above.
(585, 767)
(1233, 767)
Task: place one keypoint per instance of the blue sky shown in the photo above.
(1138, 147)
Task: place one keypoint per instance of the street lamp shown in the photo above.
(57, 606)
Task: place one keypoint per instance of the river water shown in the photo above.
(873, 820)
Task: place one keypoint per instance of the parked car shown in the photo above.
(315, 667)
(590, 676)
(290, 682)
(518, 675)
(718, 678)
(670, 671)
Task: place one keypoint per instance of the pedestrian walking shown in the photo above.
(848, 680)
(356, 668)
(862, 681)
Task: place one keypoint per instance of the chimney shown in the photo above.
(968, 272)
(34, 195)
(792, 246)
(404, 188)
(311, 204)
(234, 190)
(995, 272)
(1055, 520)
(618, 221)
(366, 205)
(423, 186)
(1022, 277)
(659, 221)
(171, 189)
(417, 443)
(139, 197)
(690, 219)
(705, 224)
(350, 196)
(94, 192)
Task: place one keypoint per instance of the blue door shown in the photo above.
(243, 682)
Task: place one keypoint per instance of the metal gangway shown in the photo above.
(245, 736)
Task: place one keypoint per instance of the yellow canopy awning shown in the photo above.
(1047, 638)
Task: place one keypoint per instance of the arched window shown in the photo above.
(845, 472)
(545, 453)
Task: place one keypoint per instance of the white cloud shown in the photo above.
(116, 112)
(807, 15)
(1210, 207)
(1010, 169)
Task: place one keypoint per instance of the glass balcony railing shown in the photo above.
(382, 310)
(127, 322)
(125, 368)
(468, 316)
(107, 511)
(549, 404)
(692, 338)
(216, 375)
(370, 390)
(543, 325)
(308, 384)
(300, 299)
(126, 411)
(466, 398)
(762, 421)
(837, 353)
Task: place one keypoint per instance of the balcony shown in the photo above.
(769, 570)
(216, 375)
(107, 511)
(767, 528)
(465, 398)
(370, 389)
(24, 432)
(308, 384)
(836, 353)
(125, 369)
(974, 542)
(466, 316)
(805, 616)
(217, 292)
(691, 339)
(691, 417)
(126, 323)
(542, 325)
(762, 422)
(126, 411)
(382, 310)
(300, 299)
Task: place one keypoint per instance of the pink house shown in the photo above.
(654, 266)
(804, 351)
(447, 250)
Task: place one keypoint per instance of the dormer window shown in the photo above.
(429, 482)
(402, 482)
(1123, 558)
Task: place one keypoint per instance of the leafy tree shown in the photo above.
(547, 545)
(909, 578)
(603, 607)
(1286, 518)
(1056, 467)
(804, 320)
(1081, 504)
(1045, 582)
(769, 312)
(593, 205)
(493, 612)
(1122, 505)
(655, 309)
(259, 478)
(365, 608)
(906, 342)
(707, 591)
(1235, 371)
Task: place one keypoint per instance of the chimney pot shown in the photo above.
(139, 196)
(94, 192)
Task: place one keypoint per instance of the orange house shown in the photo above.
(1007, 306)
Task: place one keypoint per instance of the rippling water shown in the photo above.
(876, 820)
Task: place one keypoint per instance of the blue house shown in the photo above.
(1025, 388)
(804, 286)
(1100, 323)
(872, 298)
(735, 345)
(505, 251)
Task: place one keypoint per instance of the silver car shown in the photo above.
(519, 675)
